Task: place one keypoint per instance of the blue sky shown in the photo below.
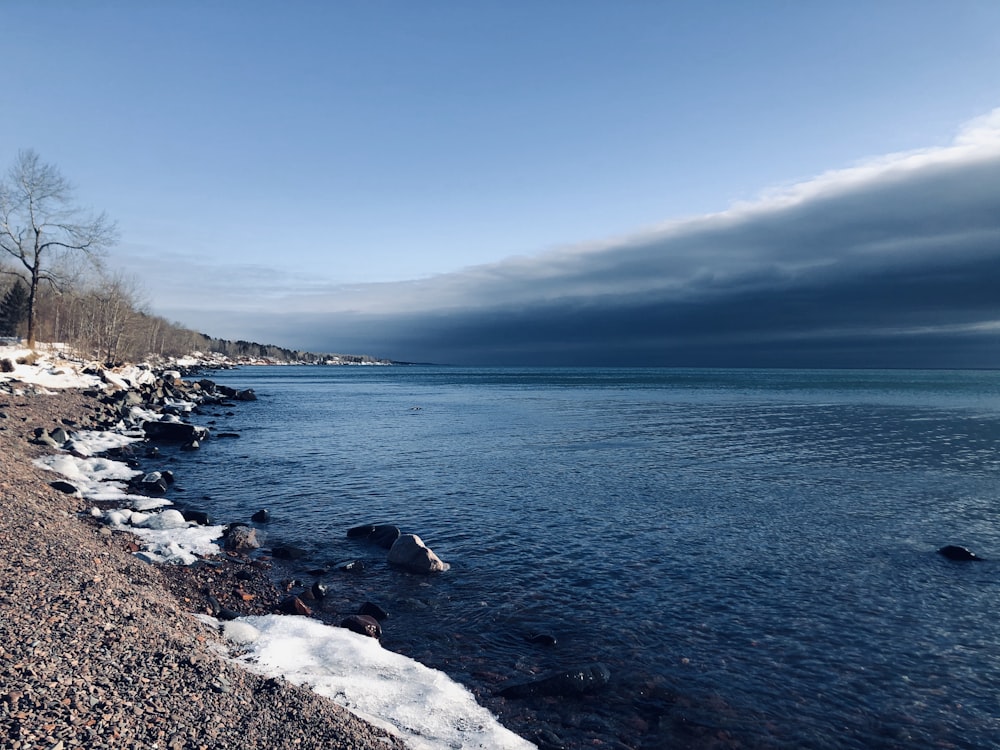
(411, 179)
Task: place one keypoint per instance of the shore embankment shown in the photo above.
(99, 649)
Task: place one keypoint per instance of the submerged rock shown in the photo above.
(955, 552)
(586, 679)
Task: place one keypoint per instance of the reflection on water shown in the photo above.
(750, 552)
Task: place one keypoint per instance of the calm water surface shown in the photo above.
(751, 552)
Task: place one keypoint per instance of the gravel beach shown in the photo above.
(100, 650)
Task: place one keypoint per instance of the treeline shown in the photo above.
(104, 317)
(55, 287)
(249, 350)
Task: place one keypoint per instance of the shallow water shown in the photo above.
(752, 553)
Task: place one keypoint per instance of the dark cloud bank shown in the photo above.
(890, 265)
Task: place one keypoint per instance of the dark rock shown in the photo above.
(168, 476)
(243, 575)
(362, 624)
(174, 432)
(360, 532)
(318, 590)
(543, 639)
(354, 566)
(373, 610)
(200, 517)
(62, 486)
(288, 552)
(384, 535)
(59, 435)
(546, 739)
(954, 552)
(221, 612)
(261, 516)
(153, 483)
(192, 446)
(586, 679)
(228, 435)
(246, 395)
(292, 605)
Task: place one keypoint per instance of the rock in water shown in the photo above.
(261, 516)
(384, 535)
(241, 538)
(411, 553)
(586, 679)
(954, 552)
(362, 624)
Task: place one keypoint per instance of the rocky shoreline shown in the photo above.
(99, 649)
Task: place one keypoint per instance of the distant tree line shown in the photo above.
(55, 287)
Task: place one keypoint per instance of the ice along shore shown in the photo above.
(99, 648)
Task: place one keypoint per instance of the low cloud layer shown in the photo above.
(893, 262)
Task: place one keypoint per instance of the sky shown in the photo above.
(551, 182)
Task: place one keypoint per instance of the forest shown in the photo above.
(56, 286)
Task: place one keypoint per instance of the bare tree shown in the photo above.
(39, 224)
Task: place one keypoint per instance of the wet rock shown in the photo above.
(245, 395)
(360, 532)
(586, 679)
(174, 432)
(199, 517)
(153, 483)
(410, 552)
(288, 552)
(384, 535)
(318, 590)
(354, 566)
(962, 554)
(240, 538)
(362, 624)
(292, 605)
(543, 639)
(261, 516)
(373, 610)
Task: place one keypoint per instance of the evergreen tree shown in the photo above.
(13, 309)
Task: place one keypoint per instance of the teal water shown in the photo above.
(751, 552)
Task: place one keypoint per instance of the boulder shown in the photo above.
(384, 535)
(62, 486)
(174, 432)
(586, 679)
(318, 590)
(362, 624)
(153, 483)
(411, 553)
(373, 610)
(961, 554)
(261, 516)
(240, 538)
(246, 395)
(200, 517)
(360, 532)
(292, 605)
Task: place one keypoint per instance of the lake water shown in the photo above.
(752, 553)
